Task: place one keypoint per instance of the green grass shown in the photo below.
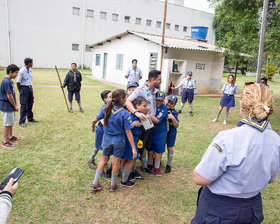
(53, 153)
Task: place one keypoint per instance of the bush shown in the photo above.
(269, 70)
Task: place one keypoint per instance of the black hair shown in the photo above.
(134, 60)
(138, 101)
(28, 60)
(117, 95)
(153, 74)
(104, 94)
(74, 64)
(264, 79)
(12, 68)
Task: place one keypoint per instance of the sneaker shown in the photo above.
(14, 139)
(131, 176)
(91, 163)
(191, 114)
(112, 188)
(128, 184)
(225, 122)
(96, 187)
(179, 111)
(33, 120)
(215, 120)
(7, 145)
(70, 110)
(23, 125)
(137, 175)
(158, 172)
(167, 169)
(81, 110)
(144, 170)
(151, 171)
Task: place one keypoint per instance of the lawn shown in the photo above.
(55, 187)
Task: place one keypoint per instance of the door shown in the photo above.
(105, 65)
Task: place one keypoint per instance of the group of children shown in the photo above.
(119, 133)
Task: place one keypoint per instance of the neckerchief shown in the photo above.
(117, 108)
(153, 93)
(259, 125)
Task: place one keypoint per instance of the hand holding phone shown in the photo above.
(15, 174)
(11, 187)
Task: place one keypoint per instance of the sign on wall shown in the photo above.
(200, 66)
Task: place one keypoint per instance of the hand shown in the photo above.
(93, 128)
(141, 116)
(16, 108)
(137, 124)
(170, 116)
(10, 187)
(134, 153)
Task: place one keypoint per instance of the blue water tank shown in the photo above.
(199, 32)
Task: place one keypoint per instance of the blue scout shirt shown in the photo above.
(148, 95)
(241, 161)
(172, 129)
(133, 74)
(25, 77)
(99, 116)
(135, 130)
(188, 83)
(7, 86)
(119, 121)
(228, 89)
(161, 116)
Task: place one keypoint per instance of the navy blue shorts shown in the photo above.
(98, 137)
(77, 95)
(128, 150)
(158, 142)
(187, 95)
(171, 138)
(213, 208)
(113, 145)
(227, 101)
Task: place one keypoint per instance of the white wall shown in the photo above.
(45, 30)
(132, 47)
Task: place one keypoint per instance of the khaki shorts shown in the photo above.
(9, 118)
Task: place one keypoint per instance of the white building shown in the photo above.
(112, 57)
(58, 32)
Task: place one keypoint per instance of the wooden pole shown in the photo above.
(236, 68)
(163, 34)
(62, 89)
(262, 38)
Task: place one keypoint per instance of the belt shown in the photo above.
(228, 94)
(30, 86)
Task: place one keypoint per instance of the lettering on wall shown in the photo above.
(200, 66)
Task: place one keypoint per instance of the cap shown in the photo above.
(189, 72)
(172, 98)
(131, 84)
(160, 95)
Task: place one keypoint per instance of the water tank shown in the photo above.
(199, 32)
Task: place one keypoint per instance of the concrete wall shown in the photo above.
(46, 30)
(131, 47)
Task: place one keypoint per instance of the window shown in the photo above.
(119, 62)
(115, 17)
(88, 48)
(103, 15)
(167, 25)
(176, 27)
(89, 13)
(185, 28)
(138, 21)
(97, 59)
(158, 25)
(148, 22)
(153, 61)
(76, 11)
(126, 19)
(75, 47)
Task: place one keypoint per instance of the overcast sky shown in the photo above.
(202, 5)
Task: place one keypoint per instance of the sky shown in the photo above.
(202, 5)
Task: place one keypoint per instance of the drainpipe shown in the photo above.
(83, 34)
(8, 33)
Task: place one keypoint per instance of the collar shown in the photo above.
(148, 88)
(259, 125)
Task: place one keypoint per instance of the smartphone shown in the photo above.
(15, 174)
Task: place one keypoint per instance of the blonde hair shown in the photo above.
(257, 101)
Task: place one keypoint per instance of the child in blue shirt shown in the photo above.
(8, 106)
(172, 124)
(159, 133)
(106, 96)
(117, 125)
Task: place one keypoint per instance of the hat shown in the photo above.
(131, 84)
(189, 72)
(172, 98)
(160, 95)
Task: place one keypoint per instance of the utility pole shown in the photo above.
(262, 38)
(163, 34)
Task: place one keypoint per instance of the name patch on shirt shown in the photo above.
(215, 145)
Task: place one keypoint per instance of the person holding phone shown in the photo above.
(6, 200)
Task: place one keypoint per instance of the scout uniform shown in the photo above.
(239, 162)
(133, 75)
(172, 131)
(228, 97)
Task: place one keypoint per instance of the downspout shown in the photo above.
(8, 34)
(83, 35)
